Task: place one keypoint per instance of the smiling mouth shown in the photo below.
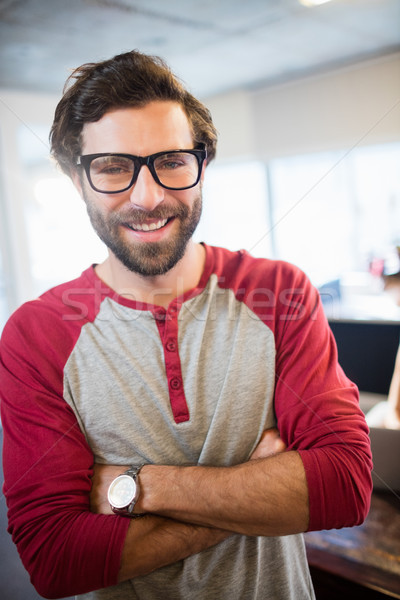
(148, 226)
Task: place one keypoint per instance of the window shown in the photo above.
(313, 214)
(335, 211)
(60, 239)
(235, 211)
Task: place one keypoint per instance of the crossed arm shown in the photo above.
(193, 508)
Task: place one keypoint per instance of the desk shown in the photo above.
(359, 562)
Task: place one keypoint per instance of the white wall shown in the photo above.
(233, 117)
(357, 104)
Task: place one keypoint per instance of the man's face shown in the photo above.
(147, 227)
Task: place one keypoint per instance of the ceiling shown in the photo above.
(213, 45)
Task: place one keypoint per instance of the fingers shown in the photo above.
(270, 443)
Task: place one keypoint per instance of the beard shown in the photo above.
(147, 259)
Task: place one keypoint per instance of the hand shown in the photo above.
(392, 417)
(269, 444)
(103, 475)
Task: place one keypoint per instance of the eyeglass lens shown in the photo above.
(115, 173)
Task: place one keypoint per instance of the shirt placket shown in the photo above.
(167, 323)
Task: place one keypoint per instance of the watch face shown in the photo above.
(122, 491)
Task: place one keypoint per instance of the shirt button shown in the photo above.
(160, 315)
(171, 346)
(173, 310)
(175, 383)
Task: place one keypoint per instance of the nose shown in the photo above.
(146, 193)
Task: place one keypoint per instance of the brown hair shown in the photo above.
(129, 79)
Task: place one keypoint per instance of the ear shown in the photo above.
(76, 180)
(203, 171)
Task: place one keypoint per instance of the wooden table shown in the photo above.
(359, 562)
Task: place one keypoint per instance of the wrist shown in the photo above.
(124, 491)
(157, 484)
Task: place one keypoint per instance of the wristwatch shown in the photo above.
(123, 492)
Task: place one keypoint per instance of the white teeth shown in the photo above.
(150, 227)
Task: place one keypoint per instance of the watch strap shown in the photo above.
(133, 470)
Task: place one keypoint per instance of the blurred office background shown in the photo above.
(307, 103)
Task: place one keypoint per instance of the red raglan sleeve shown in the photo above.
(47, 463)
(317, 407)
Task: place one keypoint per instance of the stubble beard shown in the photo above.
(147, 259)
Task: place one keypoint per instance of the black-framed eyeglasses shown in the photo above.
(110, 172)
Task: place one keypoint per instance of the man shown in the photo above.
(170, 361)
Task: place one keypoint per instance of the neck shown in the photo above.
(159, 289)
